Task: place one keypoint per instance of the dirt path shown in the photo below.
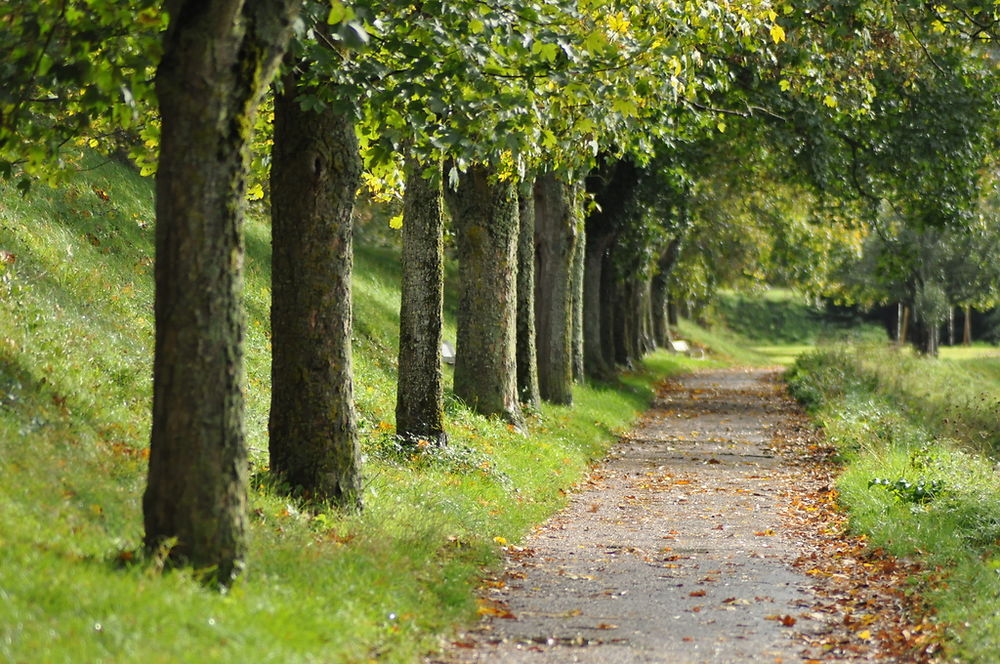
(680, 548)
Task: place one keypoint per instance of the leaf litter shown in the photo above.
(710, 534)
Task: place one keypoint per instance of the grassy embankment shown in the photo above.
(919, 439)
(75, 357)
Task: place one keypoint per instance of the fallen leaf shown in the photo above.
(496, 611)
(697, 593)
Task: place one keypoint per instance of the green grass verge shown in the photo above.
(918, 439)
(75, 358)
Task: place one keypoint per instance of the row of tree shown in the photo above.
(598, 160)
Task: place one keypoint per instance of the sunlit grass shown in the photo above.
(785, 354)
(927, 428)
(75, 363)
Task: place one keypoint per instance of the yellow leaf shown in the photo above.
(93, 143)
(784, 85)
(500, 540)
(777, 33)
(830, 101)
(721, 127)
(396, 222)
(864, 634)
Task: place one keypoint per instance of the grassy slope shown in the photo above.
(75, 357)
(928, 430)
(778, 325)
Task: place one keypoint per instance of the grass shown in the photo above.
(75, 360)
(776, 326)
(919, 440)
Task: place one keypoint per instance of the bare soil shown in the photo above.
(708, 535)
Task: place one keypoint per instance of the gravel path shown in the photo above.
(674, 550)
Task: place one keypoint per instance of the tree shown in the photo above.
(558, 230)
(487, 222)
(527, 357)
(218, 58)
(315, 174)
(419, 393)
(76, 74)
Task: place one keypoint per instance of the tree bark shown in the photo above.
(420, 388)
(613, 185)
(486, 219)
(527, 359)
(315, 172)
(660, 292)
(967, 326)
(556, 234)
(647, 341)
(579, 265)
(218, 58)
(673, 312)
(597, 364)
(609, 310)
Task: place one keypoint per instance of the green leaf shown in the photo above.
(337, 13)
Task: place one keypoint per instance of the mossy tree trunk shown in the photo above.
(527, 359)
(579, 265)
(218, 58)
(315, 172)
(485, 212)
(556, 235)
(419, 390)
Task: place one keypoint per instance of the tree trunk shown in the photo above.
(899, 324)
(626, 325)
(904, 330)
(556, 234)
(951, 325)
(577, 284)
(218, 58)
(660, 292)
(419, 390)
(527, 360)
(967, 326)
(648, 343)
(597, 363)
(609, 310)
(486, 219)
(673, 313)
(315, 172)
